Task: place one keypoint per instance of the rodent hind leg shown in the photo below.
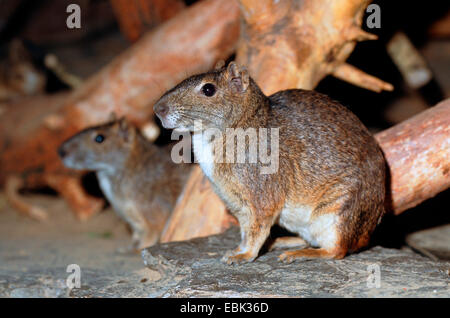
(325, 231)
(287, 242)
(255, 229)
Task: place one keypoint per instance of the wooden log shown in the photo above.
(37, 166)
(194, 213)
(191, 42)
(409, 61)
(294, 44)
(135, 17)
(418, 155)
(441, 27)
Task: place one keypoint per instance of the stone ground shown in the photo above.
(34, 258)
(193, 269)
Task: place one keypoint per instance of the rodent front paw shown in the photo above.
(238, 257)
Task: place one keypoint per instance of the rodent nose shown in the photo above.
(61, 152)
(161, 109)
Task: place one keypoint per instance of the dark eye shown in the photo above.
(99, 139)
(208, 89)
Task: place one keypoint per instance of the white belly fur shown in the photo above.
(320, 231)
(106, 186)
(204, 154)
(120, 206)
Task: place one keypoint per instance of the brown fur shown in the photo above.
(329, 164)
(18, 76)
(138, 178)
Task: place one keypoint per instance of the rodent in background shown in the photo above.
(18, 76)
(138, 178)
(330, 184)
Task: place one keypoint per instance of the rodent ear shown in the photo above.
(219, 65)
(125, 129)
(237, 77)
(123, 122)
(112, 117)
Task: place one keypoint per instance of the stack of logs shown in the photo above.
(284, 44)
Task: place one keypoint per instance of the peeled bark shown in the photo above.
(192, 42)
(138, 16)
(194, 214)
(418, 155)
(294, 44)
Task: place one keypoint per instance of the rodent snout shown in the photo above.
(161, 109)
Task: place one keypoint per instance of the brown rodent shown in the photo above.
(329, 188)
(138, 178)
(18, 76)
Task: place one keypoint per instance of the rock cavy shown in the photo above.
(329, 187)
(138, 178)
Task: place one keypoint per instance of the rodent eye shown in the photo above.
(99, 139)
(208, 89)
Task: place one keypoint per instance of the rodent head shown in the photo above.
(20, 73)
(216, 98)
(104, 147)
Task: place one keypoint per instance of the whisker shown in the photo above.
(217, 115)
(186, 116)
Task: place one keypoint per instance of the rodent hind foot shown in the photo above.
(309, 253)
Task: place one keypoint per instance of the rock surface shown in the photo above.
(34, 258)
(193, 269)
(34, 255)
(434, 242)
